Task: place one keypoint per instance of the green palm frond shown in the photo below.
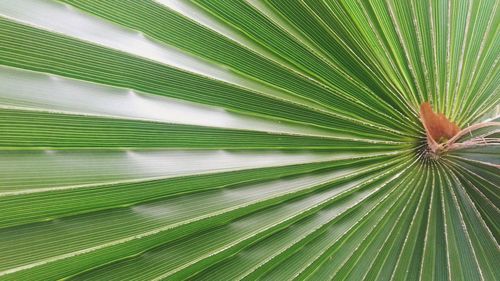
(245, 140)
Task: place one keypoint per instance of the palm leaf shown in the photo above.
(231, 140)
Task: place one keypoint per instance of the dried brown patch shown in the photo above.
(437, 126)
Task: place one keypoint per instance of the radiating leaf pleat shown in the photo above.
(248, 140)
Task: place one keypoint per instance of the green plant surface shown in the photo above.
(248, 140)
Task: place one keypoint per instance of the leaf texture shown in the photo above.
(248, 140)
